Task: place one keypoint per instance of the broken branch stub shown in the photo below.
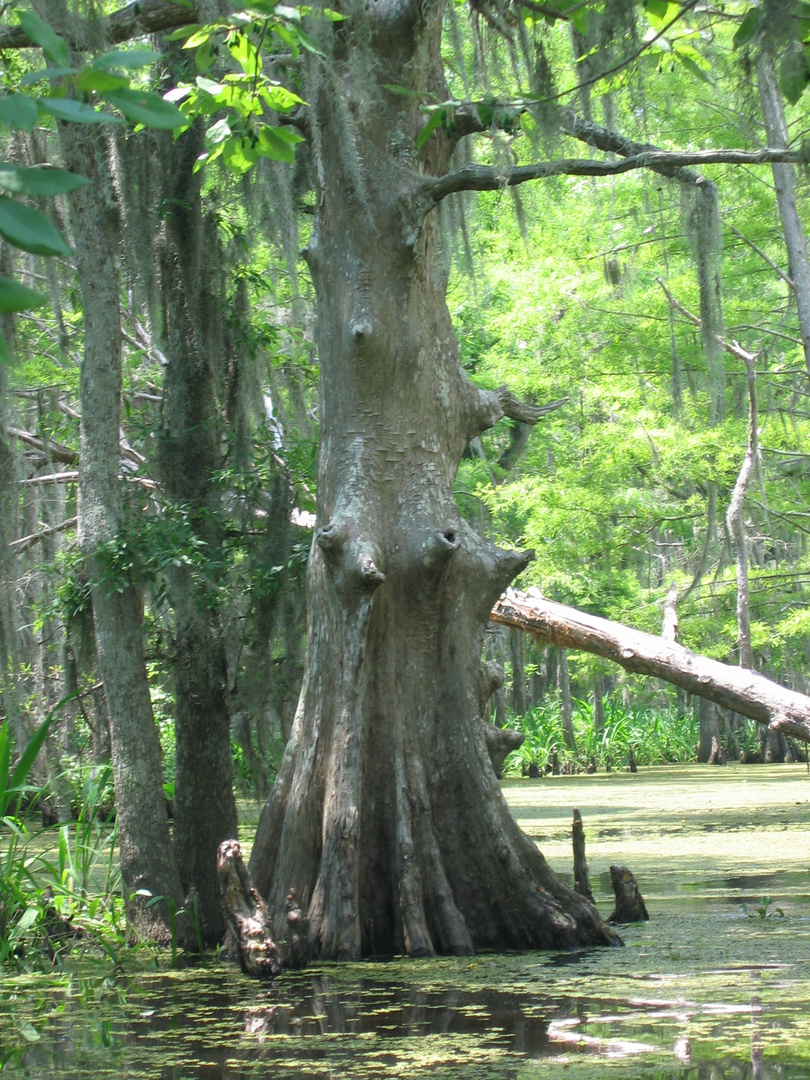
(251, 930)
(630, 906)
(582, 882)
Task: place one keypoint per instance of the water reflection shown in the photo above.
(215, 1025)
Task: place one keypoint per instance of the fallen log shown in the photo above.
(735, 688)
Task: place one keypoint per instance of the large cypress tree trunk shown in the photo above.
(386, 817)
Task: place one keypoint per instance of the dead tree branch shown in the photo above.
(744, 691)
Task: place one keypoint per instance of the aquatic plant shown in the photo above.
(49, 904)
(765, 910)
(657, 736)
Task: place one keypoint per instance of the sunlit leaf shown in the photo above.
(217, 133)
(17, 297)
(179, 93)
(29, 229)
(274, 144)
(54, 47)
(199, 37)
(183, 32)
(209, 86)
(146, 107)
(280, 98)
(40, 183)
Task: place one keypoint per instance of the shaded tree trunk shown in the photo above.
(189, 455)
(517, 647)
(709, 730)
(598, 705)
(145, 844)
(9, 524)
(566, 704)
(386, 813)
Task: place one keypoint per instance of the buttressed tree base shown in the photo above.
(386, 815)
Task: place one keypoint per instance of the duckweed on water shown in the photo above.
(701, 991)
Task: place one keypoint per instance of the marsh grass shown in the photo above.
(61, 888)
(658, 736)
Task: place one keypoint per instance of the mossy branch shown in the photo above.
(475, 177)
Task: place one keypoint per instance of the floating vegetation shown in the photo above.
(700, 991)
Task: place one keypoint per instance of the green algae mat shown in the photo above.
(716, 985)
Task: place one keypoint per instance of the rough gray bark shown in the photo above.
(735, 518)
(9, 525)
(189, 455)
(385, 812)
(517, 647)
(145, 845)
(709, 730)
(566, 704)
(744, 691)
(784, 177)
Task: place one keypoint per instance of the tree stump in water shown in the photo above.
(582, 882)
(717, 757)
(631, 757)
(630, 905)
(260, 954)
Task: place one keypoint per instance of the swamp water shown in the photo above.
(716, 985)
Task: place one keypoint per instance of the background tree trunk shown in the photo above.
(709, 729)
(517, 647)
(145, 844)
(189, 456)
(566, 704)
(784, 178)
(735, 518)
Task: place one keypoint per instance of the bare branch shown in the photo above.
(26, 542)
(732, 347)
(135, 20)
(475, 177)
(735, 688)
(774, 266)
(52, 478)
(521, 410)
(612, 142)
(52, 450)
